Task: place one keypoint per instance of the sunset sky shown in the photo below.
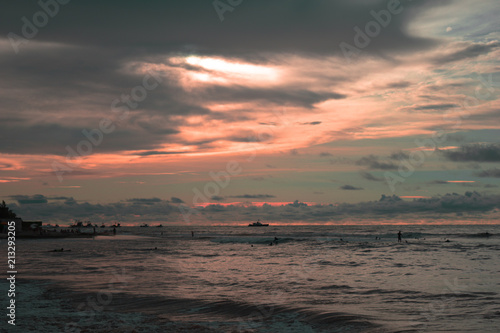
(228, 111)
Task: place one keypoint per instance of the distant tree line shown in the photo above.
(5, 212)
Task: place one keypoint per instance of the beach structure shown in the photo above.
(4, 224)
(31, 225)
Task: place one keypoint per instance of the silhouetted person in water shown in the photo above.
(399, 236)
(114, 231)
(192, 233)
(61, 250)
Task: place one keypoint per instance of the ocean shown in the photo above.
(230, 279)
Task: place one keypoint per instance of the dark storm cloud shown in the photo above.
(491, 173)
(373, 162)
(252, 27)
(305, 98)
(474, 153)
(51, 88)
(470, 51)
(53, 139)
(350, 188)
(80, 67)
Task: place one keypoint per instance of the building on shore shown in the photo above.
(4, 224)
(31, 225)
(7, 215)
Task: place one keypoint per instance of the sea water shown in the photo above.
(239, 279)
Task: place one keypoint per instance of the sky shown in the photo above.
(222, 112)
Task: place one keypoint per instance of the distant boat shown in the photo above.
(258, 224)
(144, 225)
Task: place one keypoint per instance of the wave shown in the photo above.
(257, 240)
(335, 286)
(481, 235)
(240, 315)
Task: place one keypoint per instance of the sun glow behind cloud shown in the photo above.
(209, 70)
(225, 66)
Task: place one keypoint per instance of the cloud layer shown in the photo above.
(315, 100)
(386, 209)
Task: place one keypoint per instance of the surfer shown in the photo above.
(399, 236)
(61, 250)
